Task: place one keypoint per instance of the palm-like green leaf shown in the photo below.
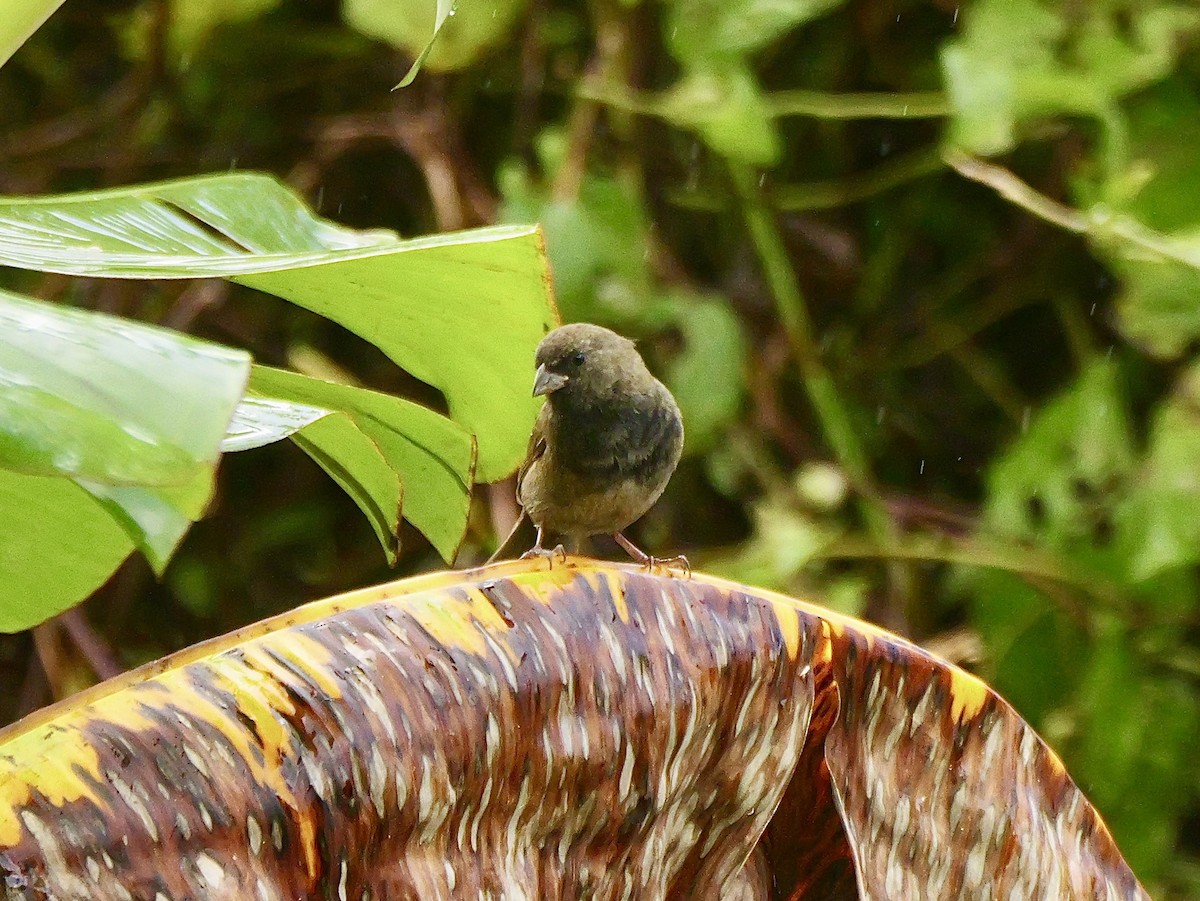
(462, 311)
(20, 20)
(133, 416)
(386, 452)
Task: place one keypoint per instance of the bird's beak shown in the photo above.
(546, 381)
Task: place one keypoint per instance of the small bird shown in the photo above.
(604, 445)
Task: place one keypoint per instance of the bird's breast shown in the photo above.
(637, 439)
(603, 467)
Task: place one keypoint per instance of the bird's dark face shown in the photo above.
(583, 362)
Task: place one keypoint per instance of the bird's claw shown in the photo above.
(649, 561)
(537, 551)
(679, 561)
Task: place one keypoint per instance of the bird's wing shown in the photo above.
(537, 448)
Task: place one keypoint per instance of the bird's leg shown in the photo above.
(633, 550)
(648, 561)
(539, 551)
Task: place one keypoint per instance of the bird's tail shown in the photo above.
(509, 545)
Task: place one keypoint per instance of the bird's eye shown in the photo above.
(578, 359)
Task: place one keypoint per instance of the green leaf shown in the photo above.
(463, 312)
(701, 31)
(220, 225)
(1020, 61)
(983, 69)
(1158, 521)
(706, 378)
(20, 20)
(359, 466)
(96, 397)
(462, 30)
(444, 10)
(1137, 734)
(1146, 820)
(1158, 305)
(338, 445)
(1033, 647)
(446, 316)
(133, 414)
(379, 446)
(729, 111)
(1056, 484)
(1054, 488)
(156, 519)
(1109, 691)
(58, 547)
(259, 421)
(596, 238)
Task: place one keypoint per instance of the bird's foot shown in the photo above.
(679, 561)
(557, 552)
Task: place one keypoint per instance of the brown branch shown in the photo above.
(90, 644)
(48, 652)
(73, 126)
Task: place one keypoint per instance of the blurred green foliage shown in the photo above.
(956, 394)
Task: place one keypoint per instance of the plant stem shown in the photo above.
(781, 104)
(825, 105)
(1021, 561)
(990, 379)
(826, 194)
(832, 414)
(793, 314)
(1007, 185)
(1099, 223)
(823, 195)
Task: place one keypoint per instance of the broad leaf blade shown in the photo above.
(259, 421)
(220, 225)
(432, 456)
(462, 311)
(155, 518)
(133, 414)
(334, 440)
(95, 397)
(455, 315)
(357, 464)
(59, 546)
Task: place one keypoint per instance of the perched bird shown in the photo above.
(604, 445)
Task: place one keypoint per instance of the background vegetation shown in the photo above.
(925, 277)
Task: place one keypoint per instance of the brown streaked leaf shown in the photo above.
(590, 730)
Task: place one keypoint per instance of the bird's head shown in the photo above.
(586, 361)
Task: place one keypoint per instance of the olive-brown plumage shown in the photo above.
(604, 445)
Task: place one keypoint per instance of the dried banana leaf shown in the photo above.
(587, 731)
